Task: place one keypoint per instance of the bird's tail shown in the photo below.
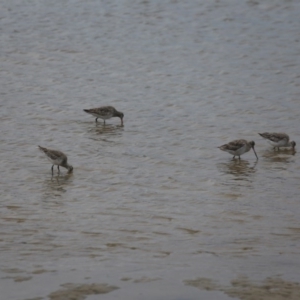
(42, 148)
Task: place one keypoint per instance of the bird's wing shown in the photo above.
(234, 145)
(106, 110)
(274, 137)
(53, 154)
(103, 111)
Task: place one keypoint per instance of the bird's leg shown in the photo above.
(52, 169)
(239, 158)
(233, 157)
(96, 120)
(104, 122)
(58, 169)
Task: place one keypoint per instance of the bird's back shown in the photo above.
(275, 136)
(54, 154)
(234, 145)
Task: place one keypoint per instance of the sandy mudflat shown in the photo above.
(242, 288)
(80, 291)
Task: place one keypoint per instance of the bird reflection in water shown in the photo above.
(284, 155)
(238, 168)
(61, 179)
(56, 186)
(107, 130)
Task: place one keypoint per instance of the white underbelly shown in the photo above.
(238, 152)
(101, 117)
(281, 143)
(57, 161)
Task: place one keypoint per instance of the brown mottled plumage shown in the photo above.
(105, 112)
(57, 158)
(278, 139)
(238, 147)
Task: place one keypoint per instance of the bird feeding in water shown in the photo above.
(238, 148)
(278, 140)
(57, 158)
(105, 113)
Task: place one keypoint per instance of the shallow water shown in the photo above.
(153, 205)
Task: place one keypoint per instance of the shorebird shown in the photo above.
(105, 112)
(238, 147)
(278, 140)
(57, 158)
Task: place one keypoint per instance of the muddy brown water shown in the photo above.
(153, 210)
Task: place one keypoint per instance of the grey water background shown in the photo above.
(153, 203)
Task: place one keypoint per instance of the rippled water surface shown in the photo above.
(153, 210)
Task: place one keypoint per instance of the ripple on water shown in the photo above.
(155, 198)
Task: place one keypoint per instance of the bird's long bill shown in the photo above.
(255, 152)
